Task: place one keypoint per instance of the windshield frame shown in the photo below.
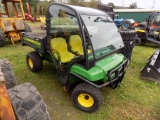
(85, 62)
(87, 32)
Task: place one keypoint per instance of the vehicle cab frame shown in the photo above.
(83, 44)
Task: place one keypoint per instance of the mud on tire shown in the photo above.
(8, 73)
(28, 103)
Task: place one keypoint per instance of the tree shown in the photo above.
(61, 1)
(133, 5)
(111, 4)
(76, 2)
(45, 5)
(84, 3)
(31, 3)
(92, 3)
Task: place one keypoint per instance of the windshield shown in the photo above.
(103, 33)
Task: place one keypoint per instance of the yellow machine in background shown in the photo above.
(11, 21)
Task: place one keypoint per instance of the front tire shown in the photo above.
(28, 103)
(86, 97)
(8, 73)
(117, 83)
(34, 62)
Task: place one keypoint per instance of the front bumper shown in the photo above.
(113, 75)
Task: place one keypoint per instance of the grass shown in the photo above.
(135, 99)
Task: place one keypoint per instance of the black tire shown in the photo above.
(126, 24)
(142, 25)
(34, 61)
(8, 73)
(28, 103)
(117, 83)
(114, 85)
(2, 38)
(128, 37)
(137, 41)
(27, 28)
(86, 97)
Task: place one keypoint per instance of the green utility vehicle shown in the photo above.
(83, 44)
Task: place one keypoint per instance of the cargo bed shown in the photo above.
(39, 35)
(34, 40)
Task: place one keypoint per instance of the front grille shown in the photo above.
(117, 72)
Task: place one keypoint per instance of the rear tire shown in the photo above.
(2, 38)
(86, 97)
(8, 73)
(34, 62)
(28, 103)
(27, 28)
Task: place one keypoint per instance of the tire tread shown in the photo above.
(8, 73)
(28, 103)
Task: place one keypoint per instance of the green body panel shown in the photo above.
(48, 57)
(33, 42)
(100, 69)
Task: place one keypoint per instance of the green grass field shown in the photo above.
(135, 99)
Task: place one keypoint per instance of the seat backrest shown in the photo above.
(60, 50)
(75, 43)
(59, 45)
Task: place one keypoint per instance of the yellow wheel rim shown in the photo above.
(85, 100)
(30, 62)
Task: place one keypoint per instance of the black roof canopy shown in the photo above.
(87, 10)
(83, 10)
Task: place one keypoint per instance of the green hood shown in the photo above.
(100, 69)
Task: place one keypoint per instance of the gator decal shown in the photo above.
(35, 43)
